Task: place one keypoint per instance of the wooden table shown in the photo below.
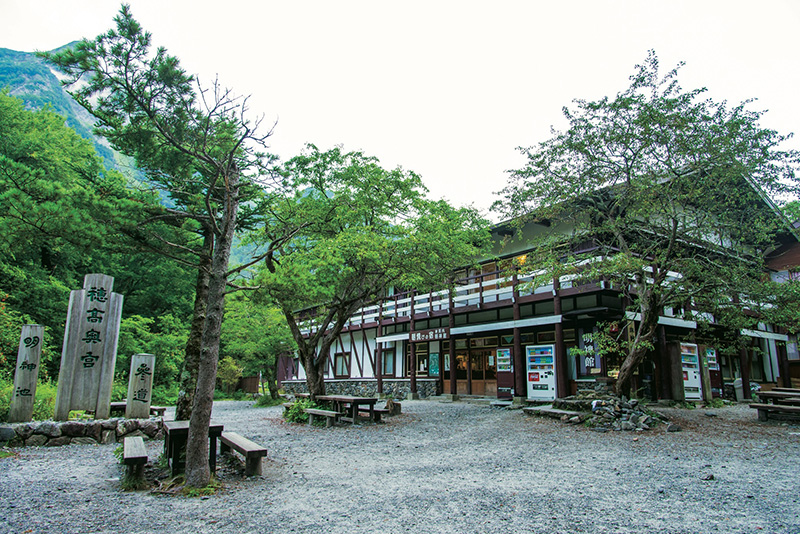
(779, 397)
(351, 405)
(176, 433)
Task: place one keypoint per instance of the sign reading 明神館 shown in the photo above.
(140, 386)
(26, 373)
(90, 348)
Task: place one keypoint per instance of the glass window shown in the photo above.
(387, 362)
(341, 365)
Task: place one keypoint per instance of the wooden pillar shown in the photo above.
(451, 322)
(520, 384)
(413, 352)
(664, 365)
(562, 388)
(783, 365)
(744, 370)
(378, 352)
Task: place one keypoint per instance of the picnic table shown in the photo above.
(779, 397)
(176, 433)
(350, 406)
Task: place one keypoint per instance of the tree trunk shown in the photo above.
(638, 349)
(315, 374)
(198, 474)
(191, 362)
(272, 379)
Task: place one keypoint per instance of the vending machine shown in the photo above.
(714, 373)
(505, 374)
(690, 365)
(541, 365)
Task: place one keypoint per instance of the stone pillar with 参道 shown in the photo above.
(26, 373)
(140, 386)
(90, 348)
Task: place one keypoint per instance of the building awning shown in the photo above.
(506, 325)
(765, 335)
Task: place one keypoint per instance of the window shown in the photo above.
(341, 365)
(387, 356)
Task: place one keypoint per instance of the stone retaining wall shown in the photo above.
(396, 388)
(55, 433)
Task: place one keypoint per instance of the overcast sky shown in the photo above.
(446, 89)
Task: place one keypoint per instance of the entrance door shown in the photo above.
(462, 381)
(480, 376)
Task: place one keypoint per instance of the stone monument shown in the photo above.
(90, 348)
(140, 386)
(27, 371)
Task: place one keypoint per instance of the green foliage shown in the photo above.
(229, 372)
(295, 413)
(163, 336)
(119, 451)
(212, 488)
(165, 395)
(44, 402)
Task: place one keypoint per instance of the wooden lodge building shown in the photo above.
(497, 334)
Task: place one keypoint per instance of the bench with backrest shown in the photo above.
(331, 415)
(252, 451)
(764, 410)
(134, 456)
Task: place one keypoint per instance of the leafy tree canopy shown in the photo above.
(342, 231)
(670, 188)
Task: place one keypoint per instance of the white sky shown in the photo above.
(448, 89)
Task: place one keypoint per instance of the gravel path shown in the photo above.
(439, 468)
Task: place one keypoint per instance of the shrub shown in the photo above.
(295, 414)
(265, 401)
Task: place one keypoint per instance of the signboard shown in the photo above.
(433, 364)
(140, 386)
(26, 373)
(89, 352)
(434, 334)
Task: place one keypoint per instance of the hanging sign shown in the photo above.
(434, 334)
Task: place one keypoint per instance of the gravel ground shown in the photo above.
(439, 468)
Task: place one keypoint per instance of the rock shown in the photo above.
(25, 430)
(673, 427)
(36, 440)
(126, 426)
(710, 414)
(575, 419)
(49, 429)
(109, 436)
(7, 433)
(150, 427)
(599, 429)
(59, 441)
(708, 477)
(73, 429)
(627, 425)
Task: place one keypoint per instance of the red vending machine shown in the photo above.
(505, 374)
(714, 372)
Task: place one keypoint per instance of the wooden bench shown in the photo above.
(252, 452)
(377, 412)
(330, 414)
(765, 409)
(119, 407)
(134, 456)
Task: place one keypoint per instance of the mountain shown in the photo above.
(30, 79)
